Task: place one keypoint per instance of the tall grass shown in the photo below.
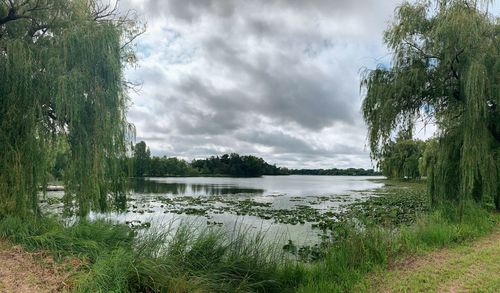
(364, 250)
(181, 260)
(85, 239)
(188, 259)
(447, 225)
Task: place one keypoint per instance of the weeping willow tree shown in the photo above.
(445, 69)
(401, 158)
(61, 64)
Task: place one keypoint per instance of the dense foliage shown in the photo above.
(445, 70)
(61, 67)
(225, 165)
(142, 158)
(236, 165)
(165, 166)
(401, 158)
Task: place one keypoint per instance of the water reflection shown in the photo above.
(145, 186)
(281, 205)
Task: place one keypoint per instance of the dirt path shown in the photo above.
(21, 271)
(467, 268)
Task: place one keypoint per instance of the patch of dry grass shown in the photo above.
(22, 271)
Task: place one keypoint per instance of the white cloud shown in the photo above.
(277, 79)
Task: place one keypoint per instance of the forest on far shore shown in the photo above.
(144, 165)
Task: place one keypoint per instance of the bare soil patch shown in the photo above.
(22, 271)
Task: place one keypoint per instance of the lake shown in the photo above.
(283, 207)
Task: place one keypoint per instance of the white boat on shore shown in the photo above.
(54, 188)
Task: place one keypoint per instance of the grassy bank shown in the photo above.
(359, 252)
(184, 260)
(398, 222)
(469, 267)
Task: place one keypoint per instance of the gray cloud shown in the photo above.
(279, 141)
(189, 10)
(277, 79)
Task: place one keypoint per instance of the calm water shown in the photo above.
(264, 204)
(294, 185)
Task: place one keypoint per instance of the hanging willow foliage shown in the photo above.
(446, 67)
(61, 66)
(401, 159)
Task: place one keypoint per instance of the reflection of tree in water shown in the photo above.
(148, 186)
(196, 188)
(218, 189)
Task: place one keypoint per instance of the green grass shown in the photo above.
(399, 222)
(184, 260)
(85, 239)
(361, 251)
(460, 268)
(187, 259)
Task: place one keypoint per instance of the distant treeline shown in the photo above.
(225, 165)
(236, 165)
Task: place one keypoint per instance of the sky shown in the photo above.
(278, 79)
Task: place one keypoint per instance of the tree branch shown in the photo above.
(419, 50)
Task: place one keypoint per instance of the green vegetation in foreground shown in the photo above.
(184, 260)
(445, 68)
(371, 241)
(208, 260)
(461, 268)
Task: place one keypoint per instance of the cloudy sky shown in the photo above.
(276, 79)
